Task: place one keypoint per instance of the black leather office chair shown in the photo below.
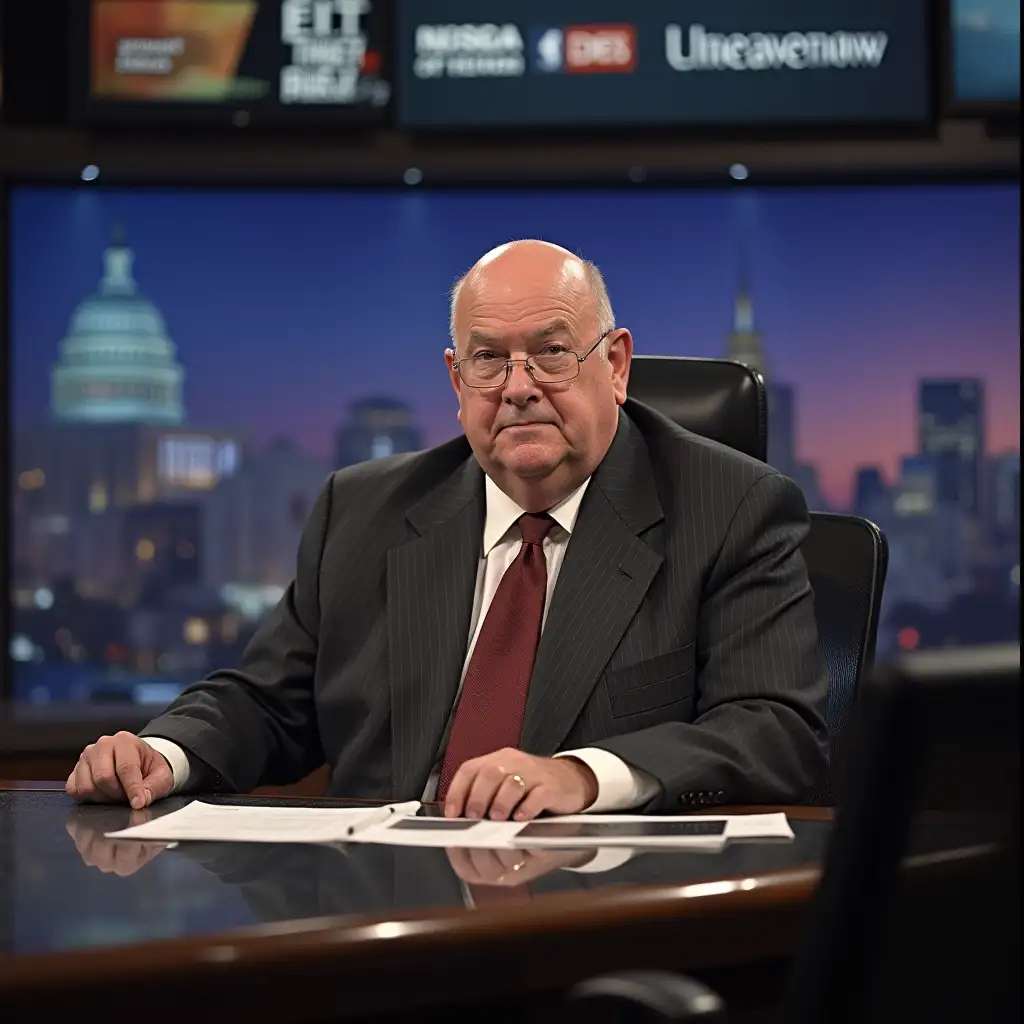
(715, 398)
(936, 746)
(846, 556)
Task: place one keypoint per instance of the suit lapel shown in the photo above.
(606, 573)
(430, 587)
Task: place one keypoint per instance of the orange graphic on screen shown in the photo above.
(180, 50)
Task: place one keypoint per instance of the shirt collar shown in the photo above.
(502, 512)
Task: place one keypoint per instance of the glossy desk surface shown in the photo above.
(87, 914)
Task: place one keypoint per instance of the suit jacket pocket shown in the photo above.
(653, 683)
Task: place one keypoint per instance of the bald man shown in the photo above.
(577, 606)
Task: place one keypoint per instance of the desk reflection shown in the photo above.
(287, 881)
(65, 886)
(282, 882)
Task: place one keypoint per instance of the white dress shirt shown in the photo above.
(620, 787)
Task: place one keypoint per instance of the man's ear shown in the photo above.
(453, 374)
(620, 356)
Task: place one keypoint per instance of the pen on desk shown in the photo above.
(379, 816)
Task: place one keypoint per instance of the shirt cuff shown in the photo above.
(606, 858)
(620, 787)
(176, 758)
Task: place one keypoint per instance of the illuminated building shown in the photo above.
(376, 428)
(117, 363)
(870, 492)
(927, 538)
(116, 440)
(1004, 503)
(744, 346)
(782, 422)
(163, 541)
(916, 491)
(254, 521)
(951, 434)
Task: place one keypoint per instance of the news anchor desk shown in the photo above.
(210, 931)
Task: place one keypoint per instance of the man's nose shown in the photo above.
(520, 387)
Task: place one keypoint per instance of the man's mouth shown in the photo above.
(520, 426)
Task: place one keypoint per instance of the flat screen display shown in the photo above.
(985, 44)
(264, 60)
(188, 365)
(528, 63)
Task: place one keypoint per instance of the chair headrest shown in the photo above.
(716, 398)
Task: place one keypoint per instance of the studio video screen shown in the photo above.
(240, 60)
(985, 42)
(567, 63)
(187, 366)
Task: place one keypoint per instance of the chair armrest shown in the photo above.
(646, 997)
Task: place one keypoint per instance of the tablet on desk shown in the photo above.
(633, 829)
(428, 824)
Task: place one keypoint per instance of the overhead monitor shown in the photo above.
(464, 64)
(984, 56)
(241, 61)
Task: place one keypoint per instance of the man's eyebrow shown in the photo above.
(481, 338)
(558, 326)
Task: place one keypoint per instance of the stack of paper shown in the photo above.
(399, 824)
(227, 823)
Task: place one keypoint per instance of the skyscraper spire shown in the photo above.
(117, 265)
(743, 311)
(744, 344)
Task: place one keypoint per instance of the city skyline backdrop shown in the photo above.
(287, 306)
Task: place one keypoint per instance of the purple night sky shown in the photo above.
(286, 305)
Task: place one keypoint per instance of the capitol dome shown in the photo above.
(117, 364)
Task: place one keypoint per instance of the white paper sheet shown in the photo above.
(199, 821)
(580, 830)
(398, 825)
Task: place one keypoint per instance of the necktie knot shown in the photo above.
(535, 528)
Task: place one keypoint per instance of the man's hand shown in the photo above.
(120, 769)
(511, 868)
(511, 784)
(122, 857)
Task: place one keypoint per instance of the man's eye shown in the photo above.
(555, 350)
(486, 357)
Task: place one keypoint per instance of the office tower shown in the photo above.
(744, 343)
(254, 521)
(917, 487)
(805, 476)
(744, 346)
(376, 428)
(1004, 501)
(164, 542)
(929, 531)
(951, 428)
(782, 425)
(117, 363)
(870, 491)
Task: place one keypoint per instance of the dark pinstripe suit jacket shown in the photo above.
(680, 637)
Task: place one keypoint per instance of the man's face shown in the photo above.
(525, 434)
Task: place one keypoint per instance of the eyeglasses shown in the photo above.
(555, 365)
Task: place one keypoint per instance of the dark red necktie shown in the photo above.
(491, 708)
